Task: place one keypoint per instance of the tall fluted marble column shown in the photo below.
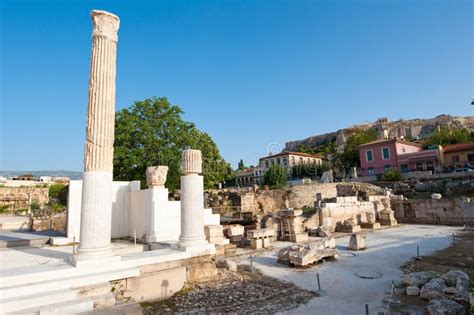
(192, 203)
(96, 212)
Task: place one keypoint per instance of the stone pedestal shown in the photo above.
(96, 212)
(155, 230)
(192, 236)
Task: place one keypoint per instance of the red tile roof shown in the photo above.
(459, 147)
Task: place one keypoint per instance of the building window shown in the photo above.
(371, 171)
(403, 150)
(386, 168)
(470, 158)
(293, 160)
(385, 153)
(285, 162)
(301, 160)
(369, 155)
(278, 161)
(455, 159)
(266, 163)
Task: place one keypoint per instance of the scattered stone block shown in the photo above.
(357, 242)
(445, 306)
(413, 290)
(451, 277)
(329, 242)
(433, 289)
(235, 230)
(450, 291)
(302, 255)
(419, 278)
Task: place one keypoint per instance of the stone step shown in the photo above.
(73, 280)
(36, 300)
(36, 242)
(39, 274)
(68, 307)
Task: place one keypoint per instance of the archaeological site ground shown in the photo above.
(372, 219)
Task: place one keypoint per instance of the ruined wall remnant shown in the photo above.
(451, 211)
(21, 197)
(248, 200)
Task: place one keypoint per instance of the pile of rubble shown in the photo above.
(309, 253)
(243, 292)
(447, 293)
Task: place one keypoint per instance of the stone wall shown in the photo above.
(449, 211)
(21, 197)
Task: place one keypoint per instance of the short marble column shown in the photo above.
(192, 236)
(96, 210)
(157, 195)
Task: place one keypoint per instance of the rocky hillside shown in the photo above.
(410, 129)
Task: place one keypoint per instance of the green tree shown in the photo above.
(349, 157)
(58, 193)
(275, 177)
(447, 135)
(152, 132)
(241, 165)
(54, 190)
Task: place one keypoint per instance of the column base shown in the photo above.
(196, 245)
(94, 257)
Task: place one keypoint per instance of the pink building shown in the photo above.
(381, 155)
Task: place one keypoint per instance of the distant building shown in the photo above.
(285, 159)
(245, 177)
(24, 177)
(381, 155)
(458, 155)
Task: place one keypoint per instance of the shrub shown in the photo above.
(392, 176)
(276, 177)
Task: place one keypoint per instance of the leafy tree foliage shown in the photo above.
(275, 177)
(58, 193)
(308, 170)
(392, 175)
(241, 165)
(349, 157)
(152, 132)
(447, 135)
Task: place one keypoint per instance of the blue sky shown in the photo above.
(250, 73)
